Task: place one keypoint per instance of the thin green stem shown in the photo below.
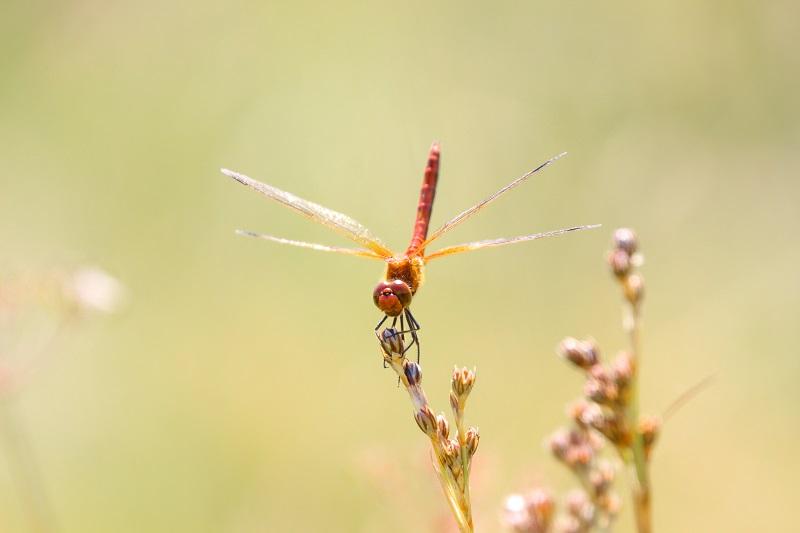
(640, 478)
(465, 465)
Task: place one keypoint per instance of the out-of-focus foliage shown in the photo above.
(242, 389)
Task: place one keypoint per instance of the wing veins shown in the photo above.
(464, 215)
(489, 243)
(339, 222)
(313, 246)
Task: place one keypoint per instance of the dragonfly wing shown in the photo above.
(313, 246)
(477, 245)
(328, 217)
(464, 215)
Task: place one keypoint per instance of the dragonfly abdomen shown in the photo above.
(425, 206)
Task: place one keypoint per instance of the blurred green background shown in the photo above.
(241, 389)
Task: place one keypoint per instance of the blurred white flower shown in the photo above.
(95, 289)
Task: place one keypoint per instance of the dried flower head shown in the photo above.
(95, 289)
(583, 354)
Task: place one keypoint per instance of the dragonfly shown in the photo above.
(404, 272)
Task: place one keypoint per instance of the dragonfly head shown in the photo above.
(392, 297)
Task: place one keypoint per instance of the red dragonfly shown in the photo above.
(404, 272)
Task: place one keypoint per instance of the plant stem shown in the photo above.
(640, 478)
(465, 464)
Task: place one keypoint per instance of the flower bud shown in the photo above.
(454, 405)
(623, 369)
(576, 409)
(413, 372)
(462, 382)
(471, 441)
(612, 503)
(426, 420)
(541, 505)
(391, 342)
(442, 427)
(579, 506)
(452, 450)
(583, 354)
(602, 477)
(649, 427)
(620, 262)
(634, 288)
(625, 239)
(600, 387)
(569, 524)
(559, 443)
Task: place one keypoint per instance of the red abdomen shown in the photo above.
(425, 206)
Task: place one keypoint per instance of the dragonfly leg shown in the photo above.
(414, 327)
(381, 322)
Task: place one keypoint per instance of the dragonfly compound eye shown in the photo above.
(392, 297)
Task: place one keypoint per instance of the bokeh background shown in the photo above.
(240, 389)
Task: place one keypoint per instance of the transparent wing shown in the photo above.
(321, 247)
(461, 217)
(327, 217)
(477, 245)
